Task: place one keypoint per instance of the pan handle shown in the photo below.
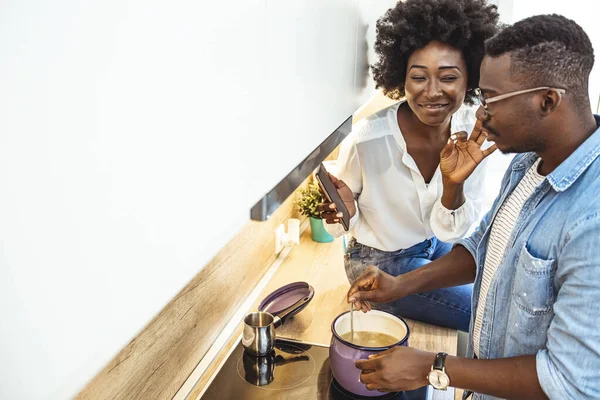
(280, 319)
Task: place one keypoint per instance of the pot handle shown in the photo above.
(280, 319)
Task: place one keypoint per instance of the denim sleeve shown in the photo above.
(472, 242)
(569, 366)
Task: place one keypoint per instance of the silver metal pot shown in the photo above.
(259, 329)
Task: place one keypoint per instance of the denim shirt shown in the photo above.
(544, 299)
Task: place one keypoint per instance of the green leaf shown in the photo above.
(308, 200)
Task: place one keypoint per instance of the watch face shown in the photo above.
(438, 379)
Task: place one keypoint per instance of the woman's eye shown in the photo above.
(449, 79)
(418, 78)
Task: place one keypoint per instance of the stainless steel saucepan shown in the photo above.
(259, 329)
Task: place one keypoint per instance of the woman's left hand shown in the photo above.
(397, 369)
(459, 159)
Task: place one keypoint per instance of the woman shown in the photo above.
(403, 171)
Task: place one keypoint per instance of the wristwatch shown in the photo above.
(438, 377)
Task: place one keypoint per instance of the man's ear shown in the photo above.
(550, 101)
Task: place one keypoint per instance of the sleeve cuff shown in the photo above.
(468, 244)
(354, 219)
(548, 377)
(451, 225)
(447, 211)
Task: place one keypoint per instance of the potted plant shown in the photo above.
(308, 200)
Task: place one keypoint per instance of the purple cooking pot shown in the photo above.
(343, 354)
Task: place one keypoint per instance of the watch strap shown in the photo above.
(440, 361)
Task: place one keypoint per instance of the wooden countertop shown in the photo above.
(321, 265)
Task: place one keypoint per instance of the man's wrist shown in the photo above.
(406, 285)
(400, 287)
(453, 363)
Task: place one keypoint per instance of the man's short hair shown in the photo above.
(547, 50)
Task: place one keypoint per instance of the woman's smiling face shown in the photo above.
(436, 82)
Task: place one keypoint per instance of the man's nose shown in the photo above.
(481, 114)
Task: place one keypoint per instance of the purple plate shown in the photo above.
(285, 296)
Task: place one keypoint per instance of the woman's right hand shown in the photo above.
(373, 285)
(459, 159)
(329, 211)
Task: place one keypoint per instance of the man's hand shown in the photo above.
(329, 211)
(372, 285)
(405, 368)
(459, 160)
(397, 369)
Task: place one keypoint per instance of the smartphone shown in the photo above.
(332, 195)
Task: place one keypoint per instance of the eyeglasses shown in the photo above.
(484, 102)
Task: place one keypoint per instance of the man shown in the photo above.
(535, 258)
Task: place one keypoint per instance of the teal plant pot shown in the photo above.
(318, 232)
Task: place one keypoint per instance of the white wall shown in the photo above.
(134, 138)
(577, 10)
(369, 12)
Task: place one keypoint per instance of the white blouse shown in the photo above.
(396, 209)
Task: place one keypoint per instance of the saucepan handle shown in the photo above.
(280, 319)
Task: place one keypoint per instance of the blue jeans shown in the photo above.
(449, 307)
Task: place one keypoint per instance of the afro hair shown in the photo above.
(412, 24)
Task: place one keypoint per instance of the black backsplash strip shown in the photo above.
(273, 199)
